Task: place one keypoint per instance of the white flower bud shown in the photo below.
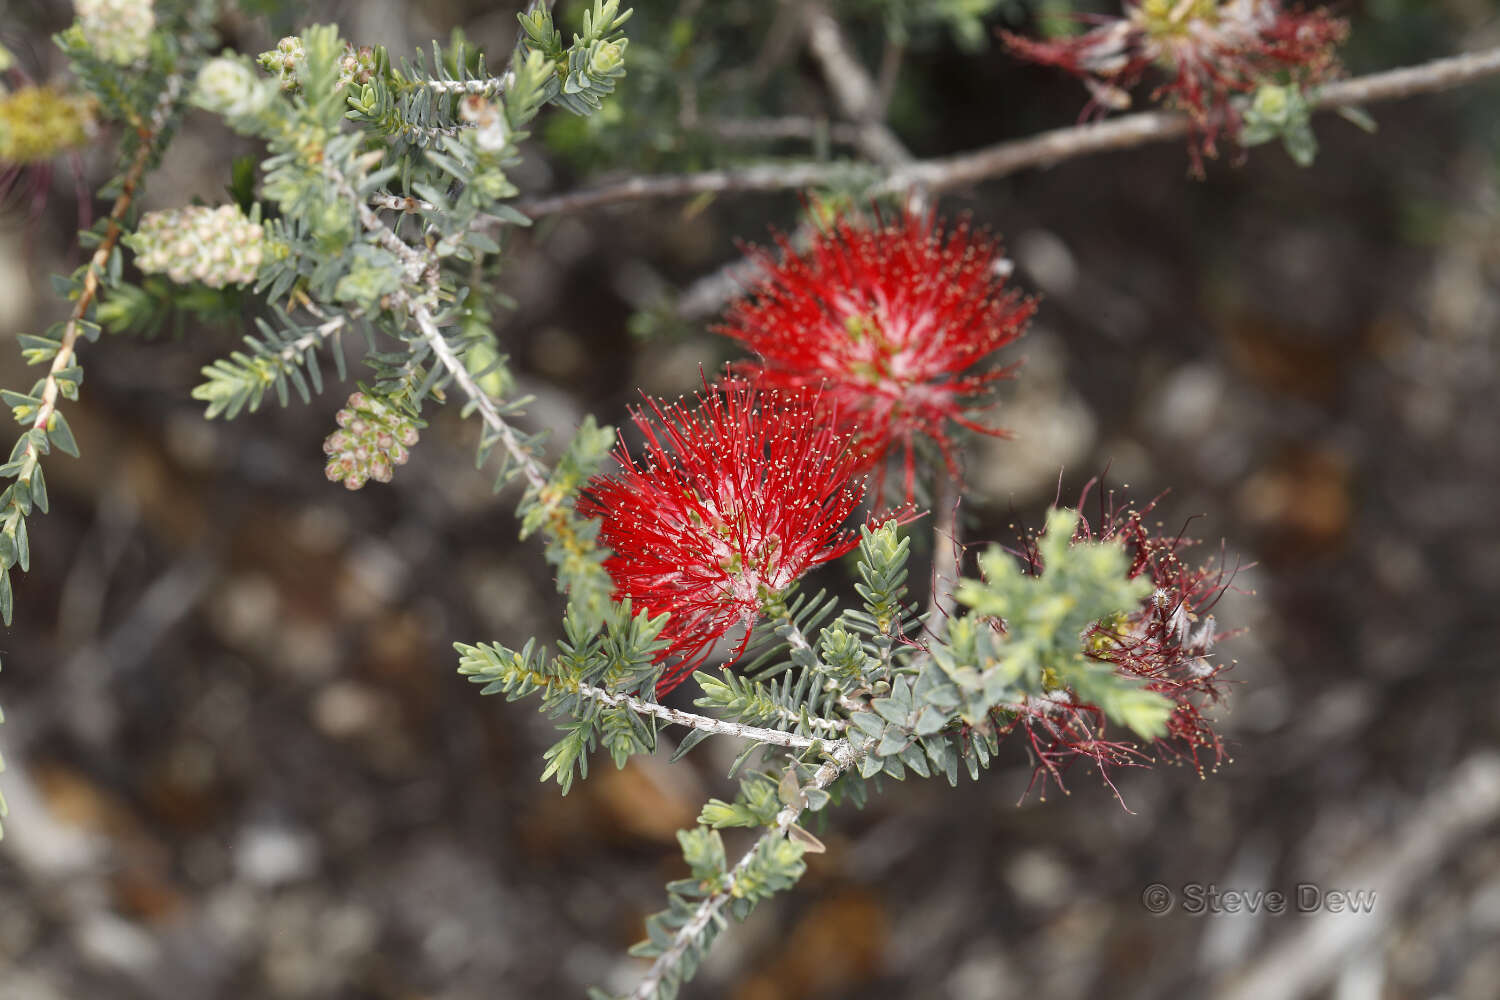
(218, 247)
(372, 443)
(230, 88)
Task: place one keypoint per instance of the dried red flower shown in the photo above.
(1210, 50)
(1166, 643)
(891, 319)
(730, 504)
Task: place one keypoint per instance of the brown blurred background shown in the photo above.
(241, 764)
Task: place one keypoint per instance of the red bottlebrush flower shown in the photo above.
(891, 320)
(1210, 50)
(730, 504)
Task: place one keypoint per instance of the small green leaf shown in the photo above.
(809, 843)
(37, 350)
(62, 435)
(703, 850)
(789, 790)
(39, 489)
(1358, 117)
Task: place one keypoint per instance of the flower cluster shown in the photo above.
(358, 66)
(286, 62)
(373, 438)
(730, 503)
(868, 340)
(1209, 51)
(118, 30)
(892, 320)
(215, 246)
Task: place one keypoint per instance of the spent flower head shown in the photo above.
(1208, 50)
(1166, 642)
(731, 501)
(214, 246)
(893, 320)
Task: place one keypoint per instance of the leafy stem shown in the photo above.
(841, 758)
(47, 426)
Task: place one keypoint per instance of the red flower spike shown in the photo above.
(730, 504)
(1209, 50)
(890, 319)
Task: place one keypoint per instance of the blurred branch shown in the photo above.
(890, 70)
(1138, 129)
(708, 294)
(857, 95)
(1303, 964)
(1011, 156)
(784, 127)
(89, 709)
(765, 177)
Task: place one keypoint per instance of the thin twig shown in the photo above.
(489, 412)
(1011, 156)
(890, 71)
(1136, 130)
(776, 129)
(762, 177)
(709, 724)
(708, 910)
(313, 338)
(486, 86)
